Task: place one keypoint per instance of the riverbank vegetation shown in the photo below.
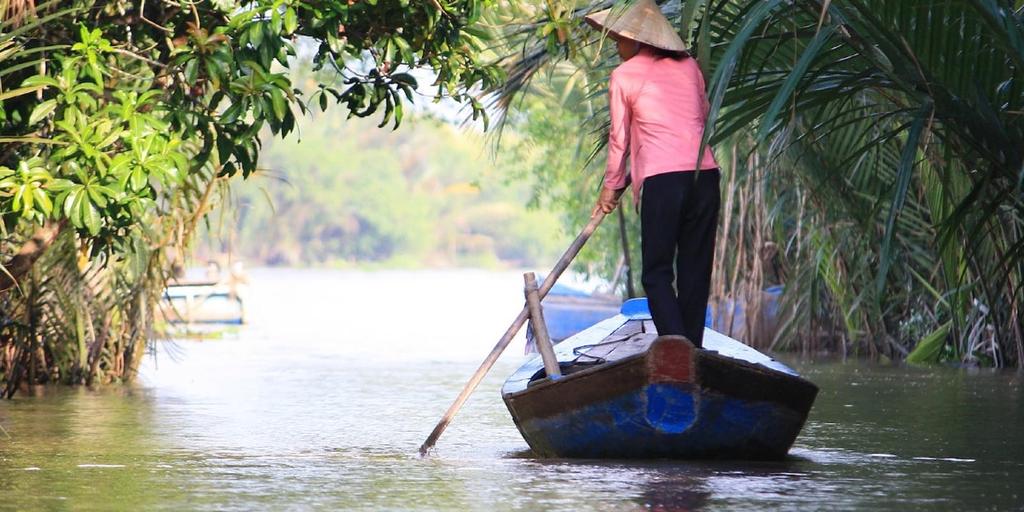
(873, 159)
(872, 151)
(121, 120)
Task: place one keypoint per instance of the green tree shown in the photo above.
(888, 136)
(125, 118)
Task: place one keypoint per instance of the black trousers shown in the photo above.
(678, 219)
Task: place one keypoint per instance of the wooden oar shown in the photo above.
(545, 287)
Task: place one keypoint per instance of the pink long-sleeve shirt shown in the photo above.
(658, 108)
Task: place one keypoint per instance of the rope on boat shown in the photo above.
(579, 351)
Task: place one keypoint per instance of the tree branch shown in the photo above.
(22, 262)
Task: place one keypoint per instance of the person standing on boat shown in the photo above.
(658, 108)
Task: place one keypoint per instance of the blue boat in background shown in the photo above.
(569, 310)
(626, 392)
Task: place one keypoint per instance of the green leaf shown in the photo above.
(180, 162)
(213, 71)
(929, 348)
(32, 140)
(256, 34)
(405, 78)
(40, 80)
(138, 179)
(16, 200)
(192, 70)
(110, 139)
(72, 210)
(275, 18)
(404, 50)
(42, 110)
(906, 169)
(792, 80)
(29, 198)
(398, 112)
(291, 20)
(231, 114)
(60, 185)
(13, 93)
(278, 103)
(96, 196)
(730, 59)
(43, 200)
(687, 16)
(90, 217)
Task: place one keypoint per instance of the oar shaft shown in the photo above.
(485, 366)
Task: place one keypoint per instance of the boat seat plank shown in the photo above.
(617, 347)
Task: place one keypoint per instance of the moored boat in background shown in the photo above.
(569, 310)
(625, 392)
(213, 299)
(202, 303)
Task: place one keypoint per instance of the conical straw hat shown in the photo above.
(641, 21)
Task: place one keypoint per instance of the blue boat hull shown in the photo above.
(662, 399)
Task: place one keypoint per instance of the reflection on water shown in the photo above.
(323, 400)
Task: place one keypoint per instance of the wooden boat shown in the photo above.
(625, 392)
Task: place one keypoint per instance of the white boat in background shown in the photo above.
(214, 300)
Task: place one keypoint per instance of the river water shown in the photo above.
(322, 401)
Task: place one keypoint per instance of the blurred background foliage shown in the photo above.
(344, 193)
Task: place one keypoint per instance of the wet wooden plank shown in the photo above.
(617, 346)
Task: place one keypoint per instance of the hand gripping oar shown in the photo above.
(549, 281)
